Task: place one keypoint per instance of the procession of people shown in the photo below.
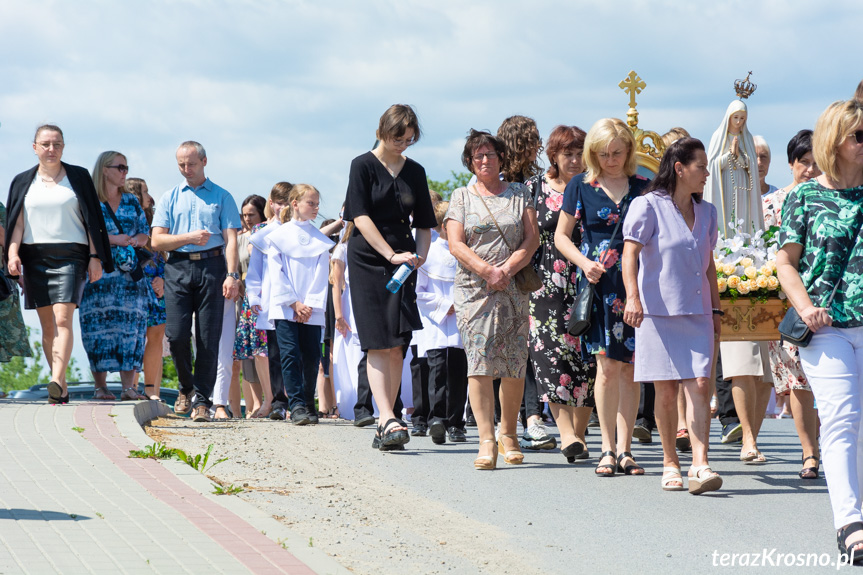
(571, 288)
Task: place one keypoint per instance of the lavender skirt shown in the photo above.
(669, 348)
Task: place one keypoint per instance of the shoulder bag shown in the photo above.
(526, 279)
(579, 316)
(792, 328)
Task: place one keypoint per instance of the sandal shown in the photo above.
(102, 394)
(672, 475)
(151, 396)
(612, 467)
(510, 456)
(683, 442)
(753, 457)
(216, 408)
(393, 433)
(486, 462)
(633, 469)
(842, 536)
(703, 479)
(131, 394)
(810, 472)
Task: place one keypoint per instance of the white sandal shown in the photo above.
(703, 479)
(671, 475)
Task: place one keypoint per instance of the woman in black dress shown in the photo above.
(386, 189)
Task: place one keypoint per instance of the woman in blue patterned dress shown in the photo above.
(595, 202)
(113, 310)
(154, 279)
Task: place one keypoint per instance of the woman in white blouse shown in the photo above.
(56, 237)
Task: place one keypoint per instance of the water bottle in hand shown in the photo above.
(399, 278)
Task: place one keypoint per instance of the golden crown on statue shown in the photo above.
(744, 88)
(648, 154)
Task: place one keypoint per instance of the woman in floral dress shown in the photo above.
(556, 355)
(594, 203)
(788, 376)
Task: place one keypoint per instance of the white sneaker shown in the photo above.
(536, 437)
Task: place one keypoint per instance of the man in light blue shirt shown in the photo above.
(196, 223)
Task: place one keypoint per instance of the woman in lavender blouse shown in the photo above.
(672, 300)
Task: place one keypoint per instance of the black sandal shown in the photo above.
(612, 466)
(629, 469)
(810, 472)
(843, 535)
(395, 437)
(376, 442)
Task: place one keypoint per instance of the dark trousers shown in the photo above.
(420, 384)
(300, 352)
(274, 361)
(646, 406)
(725, 410)
(194, 288)
(364, 406)
(447, 385)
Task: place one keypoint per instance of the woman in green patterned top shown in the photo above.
(822, 252)
(13, 336)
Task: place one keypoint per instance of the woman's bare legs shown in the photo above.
(806, 421)
(153, 361)
(384, 370)
(235, 389)
(481, 394)
(750, 400)
(665, 411)
(57, 338)
(262, 389)
(607, 392)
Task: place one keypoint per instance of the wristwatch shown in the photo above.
(234, 275)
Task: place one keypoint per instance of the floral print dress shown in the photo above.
(249, 341)
(596, 216)
(556, 355)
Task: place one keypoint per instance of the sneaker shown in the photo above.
(731, 432)
(456, 435)
(300, 415)
(536, 437)
(642, 433)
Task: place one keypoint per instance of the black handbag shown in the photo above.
(792, 328)
(582, 307)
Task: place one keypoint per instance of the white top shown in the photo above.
(299, 265)
(435, 286)
(257, 276)
(53, 215)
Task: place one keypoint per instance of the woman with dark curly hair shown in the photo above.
(520, 137)
(561, 376)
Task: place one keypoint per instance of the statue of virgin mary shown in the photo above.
(733, 183)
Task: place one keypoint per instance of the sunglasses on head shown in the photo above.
(120, 167)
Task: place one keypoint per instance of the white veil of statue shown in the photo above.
(733, 183)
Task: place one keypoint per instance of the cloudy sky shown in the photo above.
(292, 90)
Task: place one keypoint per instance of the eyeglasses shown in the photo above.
(48, 145)
(120, 167)
(404, 142)
(484, 156)
(858, 136)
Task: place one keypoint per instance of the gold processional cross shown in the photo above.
(632, 85)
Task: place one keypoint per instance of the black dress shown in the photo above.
(385, 320)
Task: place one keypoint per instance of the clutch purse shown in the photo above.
(794, 330)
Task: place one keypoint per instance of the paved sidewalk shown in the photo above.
(72, 501)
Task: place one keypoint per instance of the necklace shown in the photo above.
(51, 179)
(733, 164)
(616, 198)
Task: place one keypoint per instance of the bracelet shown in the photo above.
(718, 312)
(391, 257)
(94, 256)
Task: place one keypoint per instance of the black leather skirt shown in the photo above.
(53, 273)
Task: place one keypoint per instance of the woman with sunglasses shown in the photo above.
(114, 309)
(56, 237)
(820, 267)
